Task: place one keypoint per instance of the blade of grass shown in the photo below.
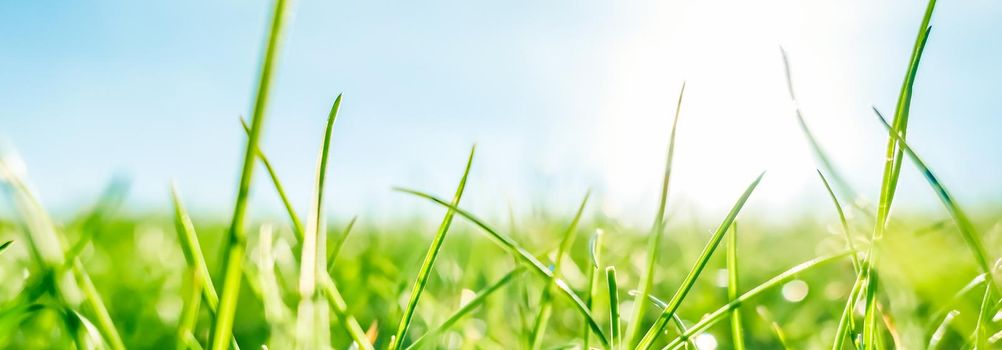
(657, 232)
(189, 314)
(615, 324)
(235, 246)
(980, 330)
(5, 245)
(312, 316)
(737, 331)
(192, 250)
(661, 304)
(819, 152)
(546, 305)
(845, 323)
(892, 170)
(47, 247)
(967, 230)
(595, 253)
(712, 318)
(940, 332)
(297, 226)
(429, 260)
(690, 279)
(473, 304)
(524, 256)
(845, 223)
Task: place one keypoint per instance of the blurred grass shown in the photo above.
(139, 268)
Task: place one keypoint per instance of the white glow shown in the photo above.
(795, 291)
(737, 118)
(705, 341)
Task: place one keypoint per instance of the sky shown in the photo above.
(560, 97)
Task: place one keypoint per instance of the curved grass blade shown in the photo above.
(473, 304)
(615, 324)
(595, 253)
(845, 223)
(336, 302)
(312, 316)
(712, 318)
(5, 245)
(892, 170)
(965, 225)
(520, 253)
(429, 260)
(235, 246)
(657, 232)
(647, 341)
(940, 332)
(661, 304)
(297, 226)
(737, 331)
(546, 305)
(819, 151)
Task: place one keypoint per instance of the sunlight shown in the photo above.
(736, 94)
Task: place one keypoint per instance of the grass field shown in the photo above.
(854, 276)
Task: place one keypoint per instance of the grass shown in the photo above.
(111, 280)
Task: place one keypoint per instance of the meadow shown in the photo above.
(855, 276)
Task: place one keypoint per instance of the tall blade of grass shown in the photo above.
(615, 324)
(657, 232)
(845, 223)
(661, 304)
(524, 256)
(737, 331)
(47, 247)
(473, 304)
(967, 230)
(297, 226)
(892, 170)
(712, 318)
(192, 250)
(648, 340)
(313, 320)
(545, 301)
(5, 245)
(235, 246)
(595, 253)
(193, 256)
(429, 260)
(189, 314)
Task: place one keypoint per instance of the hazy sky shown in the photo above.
(559, 96)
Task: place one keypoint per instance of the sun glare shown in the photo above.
(737, 118)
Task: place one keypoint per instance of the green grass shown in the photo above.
(107, 279)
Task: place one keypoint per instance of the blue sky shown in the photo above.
(560, 96)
